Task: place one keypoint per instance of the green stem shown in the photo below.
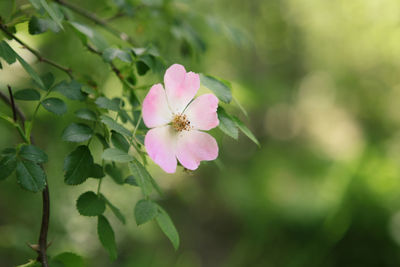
(16, 125)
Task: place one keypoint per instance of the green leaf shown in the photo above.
(114, 173)
(30, 176)
(106, 236)
(67, 259)
(56, 16)
(87, 33)
(102, 140)
(77, 166)
(113, 125)
(71, 90)
(168, 227)
(54, 105)
(77, 132)
(119, 141)
(111, 53)
(7, 53)
(142, 67)
(114, 210)
(143, 178)
(220, 88)
(7, 9)
(104, 102)
(96, 171)
(116, 155)
(31, 263)
(27, 94)
(48, 80)
(41, 25)
(145, 210)
(33, 153)
(90, 204)
(86, 114)
(246, 131)
(227, 124)
(8, 163)
(131, 180)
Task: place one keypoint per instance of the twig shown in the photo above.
(68, 71)
(89, 15)
(42, 250)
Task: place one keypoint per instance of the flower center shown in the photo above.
(180, 122)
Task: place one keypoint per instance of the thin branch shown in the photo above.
(68, 71)
(42, 249)
(91, 16)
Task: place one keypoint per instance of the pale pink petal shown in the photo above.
(160, 144)
(202, 112)
(180, 87)
(155, 109)
(195, 146)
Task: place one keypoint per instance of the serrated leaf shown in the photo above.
(8, 163)
(145, 210)
(71, 90)
(104, 102)
(33, 153)
(113, 125)
(27, 94)
(246, 130)
(168, 227)
(115, 173)
(40, 25)
(111, 53)
(142, 177)
(55, 105)
(30, 176)
(76, 166)
(86, 114)
(219, 87)
(131, 180)
(67, 259)
(115, 210)
(90, 204)
(116, 155)
(227, 124)
(96, 171)
(119, 141)
(106, 236)
(77, 132)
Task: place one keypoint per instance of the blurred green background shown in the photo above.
(320, 82)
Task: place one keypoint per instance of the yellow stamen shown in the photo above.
(180, 122)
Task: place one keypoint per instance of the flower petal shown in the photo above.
(155, 107)
(160, 144)
(180, 87)
(195, 146)
(202, 112)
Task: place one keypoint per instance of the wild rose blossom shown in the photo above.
(177, 121)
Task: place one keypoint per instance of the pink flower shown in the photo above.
(178, 123)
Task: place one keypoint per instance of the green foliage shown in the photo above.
(30, 176)
(110, 54)
(221, 88)
(8, 163)
(104, 102)
(67, 259)
(55, 16)
(86, 114)
(119, 141)
(245, 130)
(55, 105)
(77, 166)
(106, 236)
(168, 227)
(114, 173)
(71, 90)
(142, 176)
(114, 210)
(77, 132)
(27, 94)
(116, 155)
(145, 210)
(113, 125)
(90, 204)
(227, 124)
(33, 153)
(89, 35)
(41, 25)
